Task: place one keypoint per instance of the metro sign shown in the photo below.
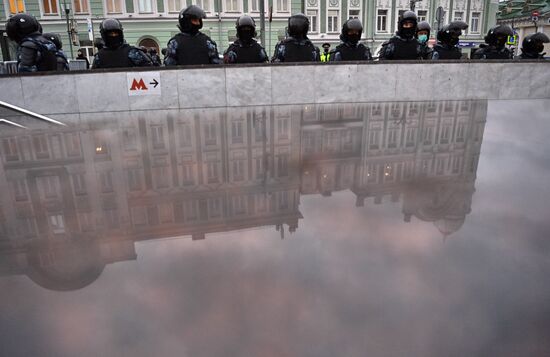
(143, 83)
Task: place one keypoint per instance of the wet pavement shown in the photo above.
(379, 229)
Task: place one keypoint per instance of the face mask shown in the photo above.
(408, 33)
(246, 36)
(423, 38)
(114, 41)
(501, 42)
(354, 38)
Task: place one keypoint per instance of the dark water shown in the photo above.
(375, 229)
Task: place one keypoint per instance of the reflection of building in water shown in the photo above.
(426, 152)
(76, 199)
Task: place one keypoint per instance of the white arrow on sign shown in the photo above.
(143, 83)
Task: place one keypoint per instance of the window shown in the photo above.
(474, 24)
(332, 21)
(422, 15)
(134, 179)
(203, 4)
(313, 15)
(187, 174)
(237, 132)
(106, 181)
(80, 6)
(175, 5)
(212, 172)
(157, 134)
(460, 129)
(354, 14)
(282, 129)
(214, 207)
(16, 6)
(20, 190)
(139, 216)
(50, 7)
(49, 187)
(283, 200)
(114, 6)
(259, 167)
(382, 21)
(145, 6)
(40, 147)
(411, 137)
(185, 135)
(392, 138)
(282, 5)
(210, 134)
(445, 134)
(282, 165)
(72, 142)
(428, 134)
(372, 173)
(231, 5)
(129, 139)
(238, 170)
(459, 16)
(9, 146)
(161, 175)
(239, 205)
(57, 224)
(374, 139)
(79, 184)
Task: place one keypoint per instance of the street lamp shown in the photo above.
(69, 30)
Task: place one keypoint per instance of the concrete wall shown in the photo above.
(279, 84)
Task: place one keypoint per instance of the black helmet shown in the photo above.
(55, 39)
(185, 16)
(424, 26)
(450, 33)
(298, 26)
(408, 16)
(108, 26)
(534, 43)
(20, 26)
(498, 35)
(353, 25)
(242, 24)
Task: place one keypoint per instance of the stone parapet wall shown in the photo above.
(236, 86)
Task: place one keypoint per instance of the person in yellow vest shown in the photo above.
(325, 56)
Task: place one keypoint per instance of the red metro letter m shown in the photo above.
(138, 85)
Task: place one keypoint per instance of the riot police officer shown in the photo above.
(351, 49)
(533, 45)
(245, 49)
(296, 47)
(191, 46)
(34, 51)
(495, 47)
(62, 62)
(117, 53)
(153, 54)
(447, 41)
(404, 45)
(423, 30)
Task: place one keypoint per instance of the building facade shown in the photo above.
(153, 22)
(519, 15)
(95, 188)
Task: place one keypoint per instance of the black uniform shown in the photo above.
(35, 52)
(495, 44)
(117, 53)
(191, 46)
(62, 62)
(447, 41)
(533, 45)
(297, 47)
(350, 49)
(245, 49)
(404, 45)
